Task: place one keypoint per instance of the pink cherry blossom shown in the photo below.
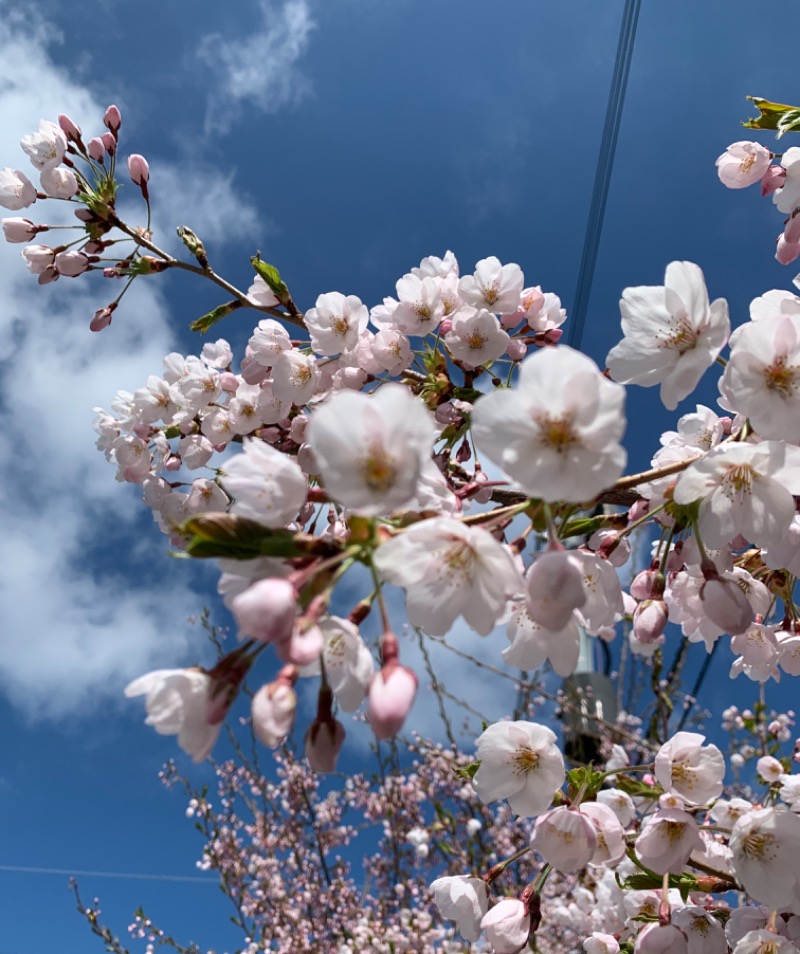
(391, 695)
(565, 838)
(266, 485)
(686, 766)
(371, 448)
(507, 926)
(743, 164)
(335, 322)
(493, 286)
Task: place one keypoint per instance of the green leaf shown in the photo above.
(468, 772)
(272, 277)
(226, 535)
(206, 321)
(193, 243)
(586, 780)
(771, 114)
(582, 526)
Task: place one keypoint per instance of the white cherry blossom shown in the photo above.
(371, 449)
(557, 434)
(521, 762)
(464, 900)
(692, 770)
(176, 703)
(449, 570)
(493, 285)
(766, 856)
(266, 485)
(672, 334)
(335, 322)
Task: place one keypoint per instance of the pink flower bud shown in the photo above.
(517, 349)
(48, 275)
(661, 939)
(112, 119)
(96, 149)
(138, 169)
(446, 326)
(650, 620)
(391, 695)
(70, 129)
(273, 708)
(19, 230)
(791, 231)
(305, 644)
(638, 510)
(229, 382)
(786, 252)
(774, 178)
(726, 606)
(109, 142)
(102, 318)
(266, 610)
(71, 264)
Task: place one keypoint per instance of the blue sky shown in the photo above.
(346, 139)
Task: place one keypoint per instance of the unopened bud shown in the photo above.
(138, 169)
(112, 119)
(70, 129)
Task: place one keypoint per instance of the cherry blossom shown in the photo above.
(766, 856)
(176, 704)
(371, 448)
(520, 762)
(448, 570)
(266, 485)
(557, 435)
(743, 164)
(464, 900)
(693, 770)
(672, 334)
(507, 925)
(493, 286)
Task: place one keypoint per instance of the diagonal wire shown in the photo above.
(605, 164)
(26, 869)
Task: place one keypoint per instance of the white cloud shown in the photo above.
(259, 68)
(88, 596)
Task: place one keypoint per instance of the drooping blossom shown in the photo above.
(565, 838)
(464, 900)
(16, 190)
(273, 708)
(521, 762)
(556, 435)
(176, 704)
(46, 147)
(672, 333)
(507, 926)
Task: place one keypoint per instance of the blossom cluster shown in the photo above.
(447, 442)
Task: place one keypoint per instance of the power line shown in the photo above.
(76, 872)
(605, 164)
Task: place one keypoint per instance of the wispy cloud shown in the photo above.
(258, 69)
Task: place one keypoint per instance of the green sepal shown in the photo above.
(206, 321)
(586, 780)
(272, 277)
(642, 881)
(582, 526)
(237, 538)
(468, 772)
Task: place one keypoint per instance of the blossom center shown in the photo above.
(747, 163)
(674, 831)
(379, 470)
(557, 433)
(491, 294)
(738, 480)
(781, 377)
(525, 760)
(476, 340)
(682, 337)
(759, 847)
(340, 326)
(682, 772)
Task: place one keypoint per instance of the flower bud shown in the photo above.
(20, 230)
(138, 169)
(650, 620)
(266, 610)
(112, 119)
(786, 252)
(71, 264)
(70, 129)
(273, 708)
(391, 693)
(109, 142)
(507, 926)
(324, 740)
(102, 317)
(96, 149)
(774, 178)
